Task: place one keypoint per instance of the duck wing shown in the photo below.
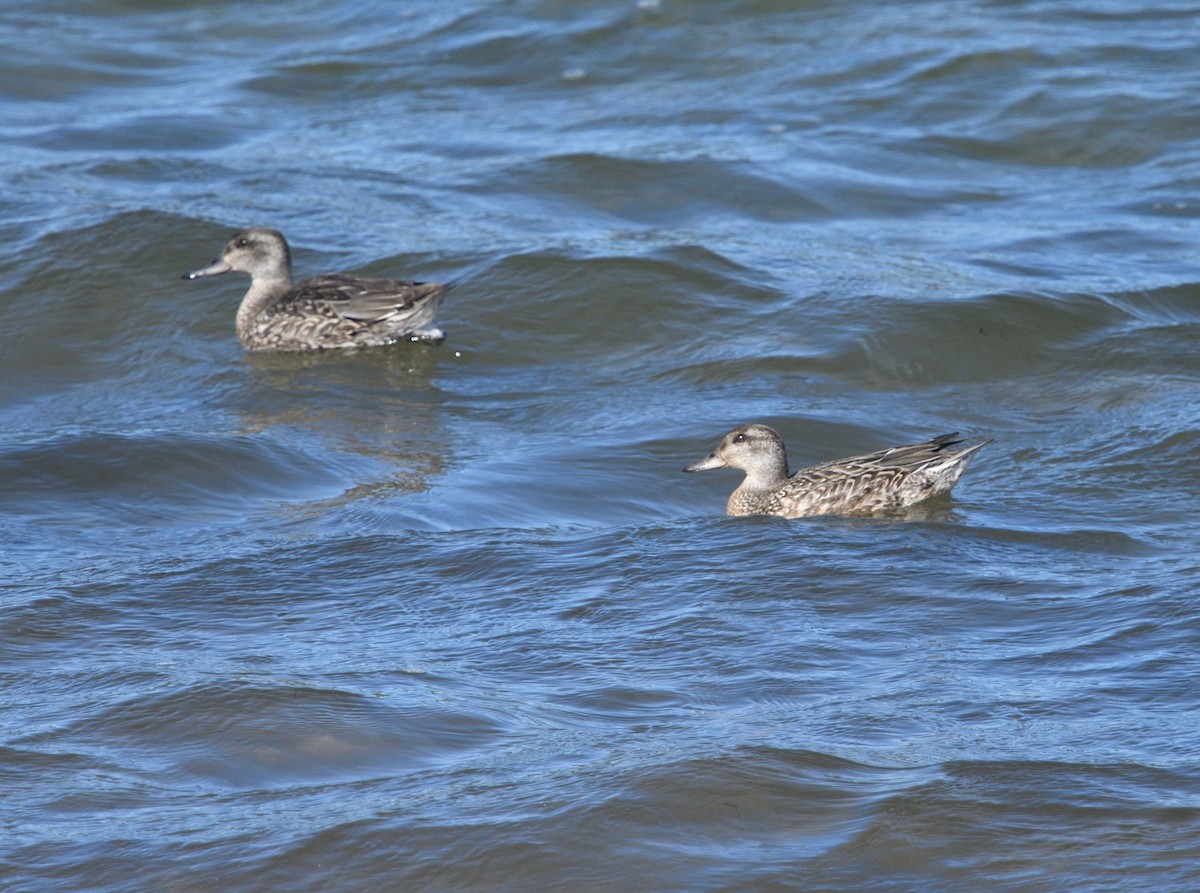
(900, 458)
(885, 479)
(365, 301)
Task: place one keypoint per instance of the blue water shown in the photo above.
(451, 617)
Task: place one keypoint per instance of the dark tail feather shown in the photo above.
(945, 440)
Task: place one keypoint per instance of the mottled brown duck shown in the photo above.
(888, 480)
(335, 310)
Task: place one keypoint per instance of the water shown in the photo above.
(451, 618)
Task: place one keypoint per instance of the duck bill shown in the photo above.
(712, 460)
(216, 268)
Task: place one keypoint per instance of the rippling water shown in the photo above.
(451, 618)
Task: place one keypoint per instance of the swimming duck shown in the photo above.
(887, 480)
(333, 310)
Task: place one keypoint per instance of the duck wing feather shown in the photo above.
(873, 481)
(364, 301)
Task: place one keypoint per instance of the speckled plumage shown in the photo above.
(887, 480)
(335, 310)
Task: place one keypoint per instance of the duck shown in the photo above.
(334, 310)
(888, 480)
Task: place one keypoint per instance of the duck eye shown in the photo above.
(740, 438)
(242, 243)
